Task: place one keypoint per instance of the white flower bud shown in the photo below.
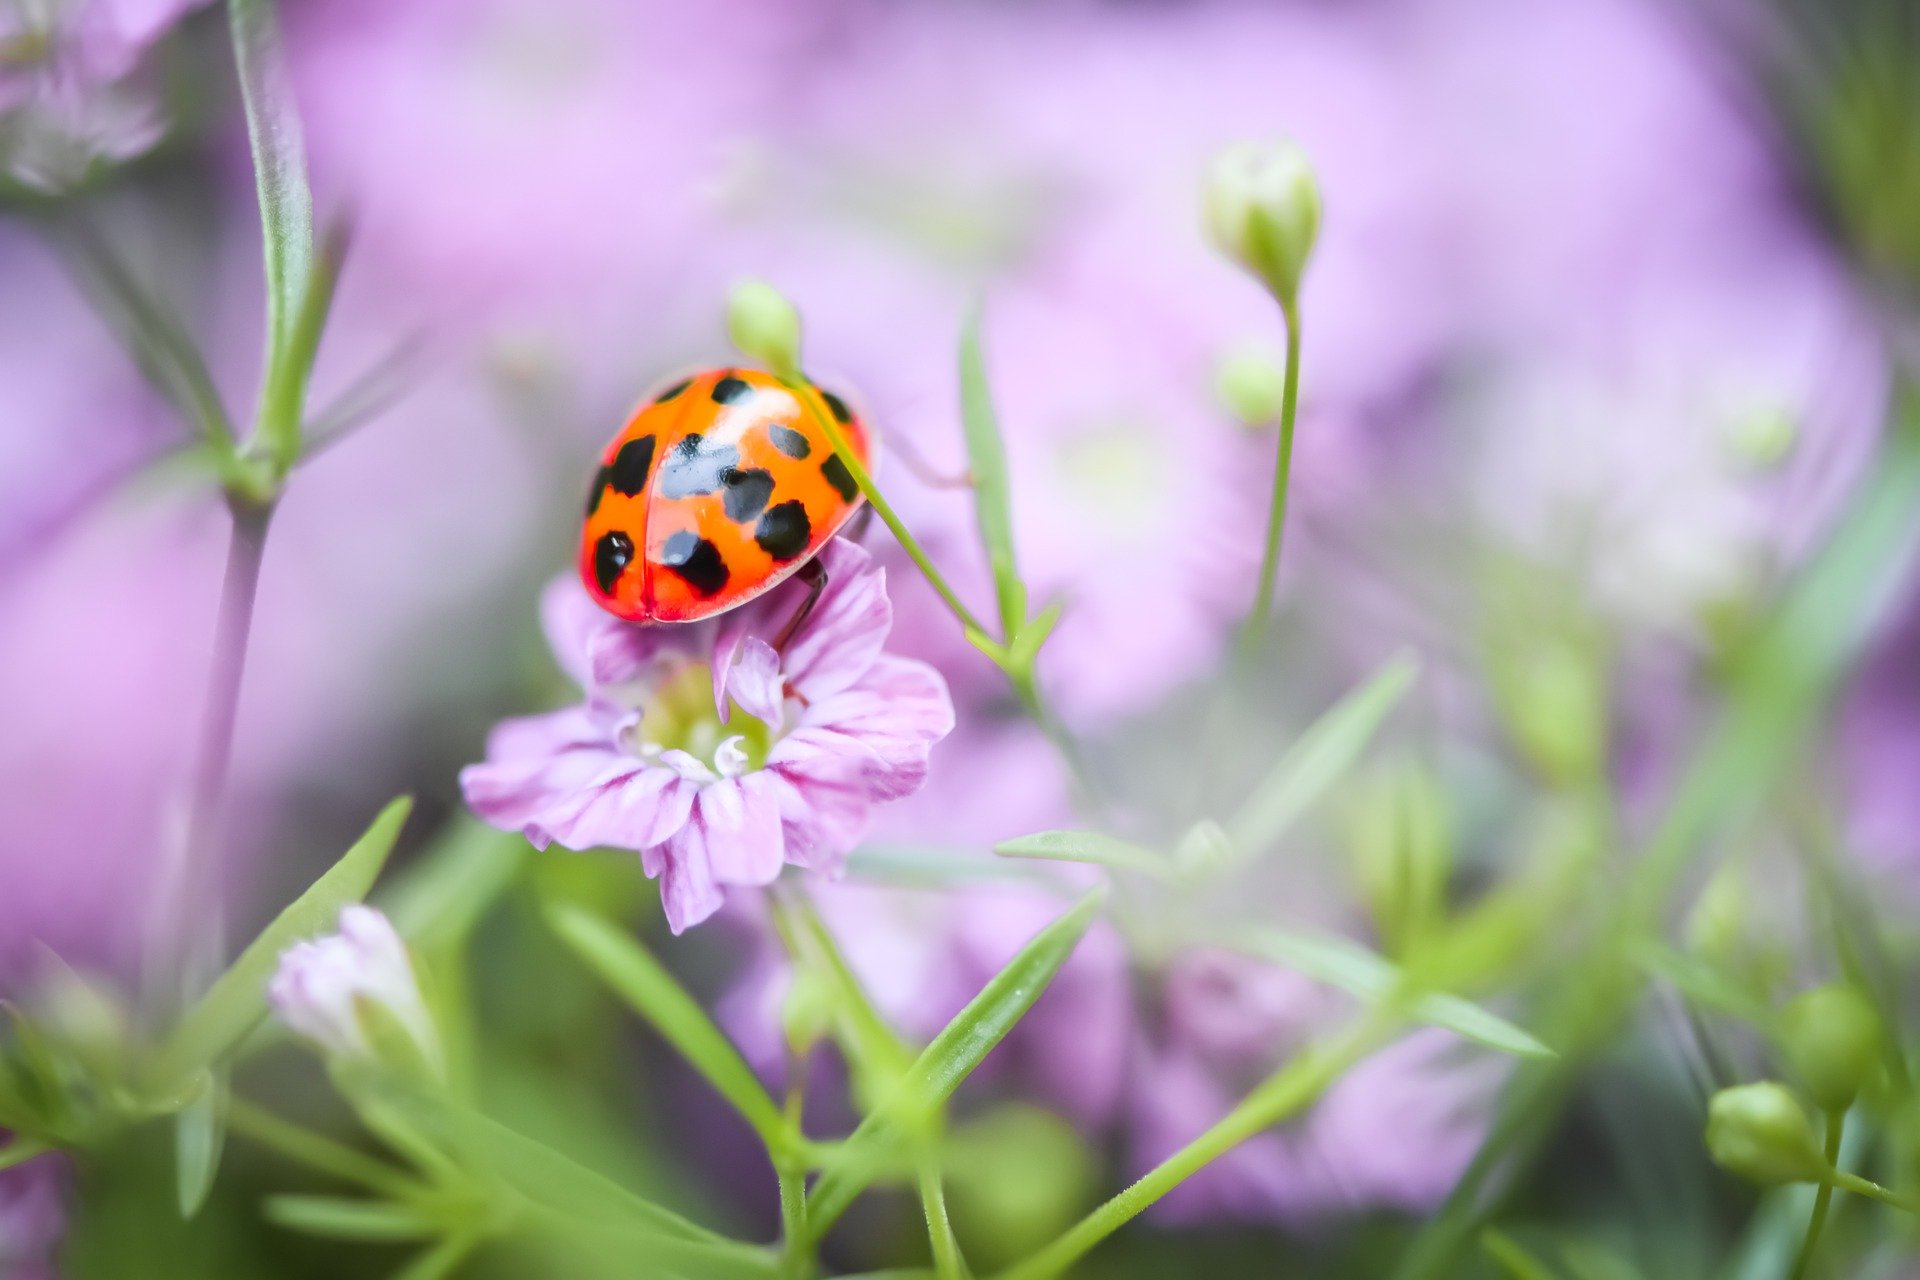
(764, 325)
(345, 992)
(1261, 205)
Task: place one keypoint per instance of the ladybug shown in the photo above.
(718, 489)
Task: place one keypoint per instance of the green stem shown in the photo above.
(1256, 624)
(1822, 1199)
(1288, 1091)
(306, 1147)
(947, 1262)
(1860, 1186)
(796, 1256)
(864, 478)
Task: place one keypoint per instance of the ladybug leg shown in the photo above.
(925, 471)
(816, 579)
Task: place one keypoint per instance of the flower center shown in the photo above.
(679, 716)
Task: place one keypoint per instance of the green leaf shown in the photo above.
(1373, 978)
(1700, 982)
(954, 1053)
(441, 896)
(1321, 756)
(199, 1134)
(623, 964)
(342, 1219)
(19, 1151)
(279, 166)
(987, 462)
(1024, 650)
(1515, 1261)
(439, 1262)
(237, 1001)
(1086, 846)
(566, 1192)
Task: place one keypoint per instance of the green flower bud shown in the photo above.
(1402, 853)
(1252, 383)
(1830, 1037)
(1017, 1177)
(1261, 206)
(1761, 439)
(1760, 1132)
(764, 325)
(806, 1013)
(1554, 698)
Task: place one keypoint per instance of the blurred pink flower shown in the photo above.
(63, 106)
(32, 1217)
(714, 756)
(1394, 1133)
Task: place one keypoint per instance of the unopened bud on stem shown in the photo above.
(764, 325)
(1761, 1133)
(1262, 209)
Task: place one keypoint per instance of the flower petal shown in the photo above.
(736, 825)
(754, 681)
(847, 628)
(687, 890)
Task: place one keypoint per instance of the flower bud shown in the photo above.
(354, 995)
(1760, 1132)
(1554, 699)
(1261, 206)
(764, 325)
(1252, 383)
(1018, 1176)
(1830, 1037)
(806, 1011)
(1397, 827)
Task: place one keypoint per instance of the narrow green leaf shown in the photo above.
(237, 1000)
(1470, 1021)
(1373, 978)
(566, 1192)
(1700, 982)
(341, 1219)
(1317, 760)
(1513, 1258)
(987, 462)
(1024, 649)
(19, 1151)
(439, 1262)
(954, 1053)
(199, 1134)
(279, 165)
(624, 965)
(1086, 846)
(442, 895)
(873, 1048)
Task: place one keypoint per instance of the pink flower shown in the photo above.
(324, 988)
(716, 757)
(32, 1216)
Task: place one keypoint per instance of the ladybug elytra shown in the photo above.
(719, 488)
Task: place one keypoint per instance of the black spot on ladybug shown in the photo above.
(628, 474)
(695, 467)
(839, 477)
(747, 492)
(731, 390)
(838, 406)
(789, 441)
(673, 391)
(611, 556)
(598, 491)
(696, 560)
(784, 531)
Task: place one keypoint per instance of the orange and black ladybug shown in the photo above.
(720, 487)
